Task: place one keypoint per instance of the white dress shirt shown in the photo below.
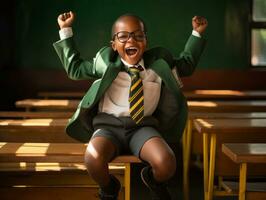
(115, 100)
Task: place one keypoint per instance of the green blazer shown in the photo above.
(172, 108)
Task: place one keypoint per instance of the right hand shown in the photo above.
(199, 24)
(66, 19)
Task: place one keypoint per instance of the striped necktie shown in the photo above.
(136, 98)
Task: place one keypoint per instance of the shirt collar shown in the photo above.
(141, 62)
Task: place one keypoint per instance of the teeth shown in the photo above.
(131, 48)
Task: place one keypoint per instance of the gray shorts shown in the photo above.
(128, 137)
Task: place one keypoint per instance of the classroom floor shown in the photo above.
(140, 192)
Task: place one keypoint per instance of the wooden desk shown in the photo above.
(187, 137)
(225, 94)
(59, 153)
(195, 106)
(34, 130)
(223, 127)
(190, 95)
(49, 152)
(61, 95)
(228, 106)
(243, 154)
(49, 104)
(30, 115)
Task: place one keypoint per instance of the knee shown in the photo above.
(93, 162)
(165, 166)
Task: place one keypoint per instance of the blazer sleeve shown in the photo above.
(74, 65)
(187, 61)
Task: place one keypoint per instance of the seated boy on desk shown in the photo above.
(135, 104)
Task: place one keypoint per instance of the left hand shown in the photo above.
(199, 24)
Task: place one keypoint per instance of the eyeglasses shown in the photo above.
(123, 36)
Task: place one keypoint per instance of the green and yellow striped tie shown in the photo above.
(136, 97)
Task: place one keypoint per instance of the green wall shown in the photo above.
(168, 23)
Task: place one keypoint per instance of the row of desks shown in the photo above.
(202, 115)
(196, 106)
(191, 95)
(210, 128)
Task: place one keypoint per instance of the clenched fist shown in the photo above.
(199, 24)
(66, 19)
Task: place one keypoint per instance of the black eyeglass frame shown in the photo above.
(130, 34)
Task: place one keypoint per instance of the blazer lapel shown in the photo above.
(99, 86)
(162, 68)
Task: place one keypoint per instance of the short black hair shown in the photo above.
(127, 15)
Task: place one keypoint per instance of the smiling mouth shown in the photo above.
(131, 51)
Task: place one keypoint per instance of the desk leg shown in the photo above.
(186, 158)
(242, 181)
(205, 163)
(127, 181)
(212, 166)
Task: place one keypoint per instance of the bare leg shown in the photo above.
(161, 158)
(99, 152)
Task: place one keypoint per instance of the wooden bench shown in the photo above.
(218, 131)
(244, 154)
(61, 153)
(192, 140)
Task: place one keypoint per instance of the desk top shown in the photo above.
(196, 106)
(225, 94)
(228, 106)
(190, 94)
(227, 115)
(245, 152)
(230, 125)
(38, 123)
(25, 114)
(61, 94)
(49, 152)
(48, 103)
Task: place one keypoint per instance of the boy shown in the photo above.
(134, 105)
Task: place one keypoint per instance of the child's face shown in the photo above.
(129, 40)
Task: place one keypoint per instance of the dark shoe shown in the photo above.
(158, 190)
(111, 191)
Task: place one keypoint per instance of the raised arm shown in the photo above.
(74, 65)
(189, 58)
